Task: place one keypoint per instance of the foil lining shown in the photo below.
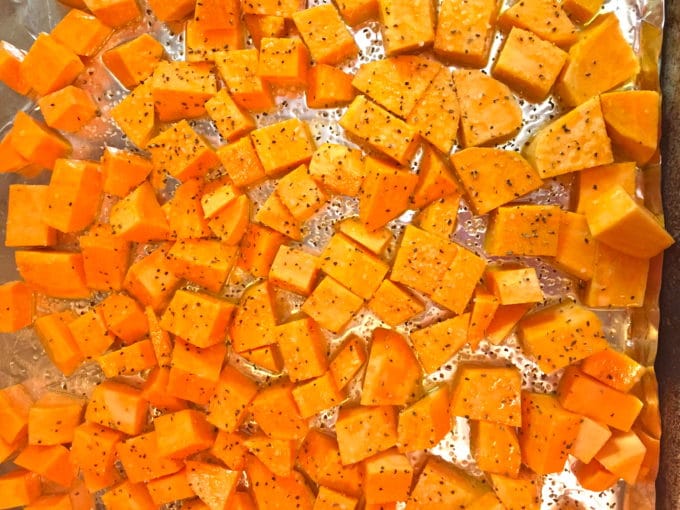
(22, 359)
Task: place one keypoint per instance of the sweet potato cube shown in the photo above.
(270, 490)
(528, 64)
(392, 372)
(151, 280)
(623, 455)
(436, 115)
(580, 393)
(203, 261)
(170, 488)
(117, 406)
(231, 222)
(465, 32)
(317, 395)
(54, 273)
(584, 76)
(619, 221)
(345, 305)
(406, 26)
(128, 360)
(484, 307)
(435, 180)
(138, 217)
(16, 306)
(124, 317)
(423, 424)
(340, 169)
(53, 418)
(422, 259)
(93, 450)
(590, 439)
(183, 433)
(238, 69)
(182, 152)
(266, 358)
(523, 492)
(613, 368)
(90, 333)
(294, 270)
(489, 113)
(19, 488)
(274, 214)
(388, 477)
(123, 171)
(200, 319)
(11, 58)
(36, 143)
(619, 280)
(105, 258)
(58, 342)
(254, 319)
(213, 484)
(135, 114)
(229, 448)
(300, 193)
(194, 372)
(593, 182)
(275, 411)
(155, 389)
(504, 321)
(325, 34)
(114, 13)
(487, 501)
(381, 130)
(375, 241)
(515, 286)
(328, 87)
(16, 403)
(263, 25)
(393, 304)
(495, 448)
(594, 476)
(293, 134)
(81, 32)
(581, 134)
(458, 282)
(357, 11)
(51, 462)
(284, 9)
(436, 343)
(364, 431)
(142, 460)
(25, 210)
(545, 18)
(397, 83)
(561, 335)
(283, 61)
(440, 216)
(127, 494)
(231, 121)
(383, 178)
(202, 45)
(493, 177)
(328, 499)
(547, 434)
(303, 348)
(347, 361)
(241, 162)
(49, 65)
(67, 109)
(134, 61)
(172, 10)
(277, 454)
(12, 161)
(576, 248)
(360, 271)
(437, 473)
(184, 211)
(217, 14)
(181, 89)
(490, 393)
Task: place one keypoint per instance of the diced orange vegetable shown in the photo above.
(241, 162)
(180, 90)
(388, 477)
(230, 120)
(51, 502)
(171, 10)
(294, 270)
(49, 65)
(438, 342)
(547, 434)
(264, 25)
(380, 129)
(25, 211)
(561, 335)
(53, 418)
(52, 462)
(300, 193)
(623, 455)
(105, 258)
(267, 358)
(277, 454)
(576, 248)
(93, 450)
(486, 392)
(19, 488)
(303, 348)
(233, 393)
(466, 38)
(529, 230)
(328, 87)
(135, 114)
(394, 305)
(36, 143)
(231, 222)
(213, 484)
(484, 306)
(493, 177)
(238, 69)
(170, 488)
(328, 499)
(582, 10)
(81, 32)
(54, 273)
(194, 372)
(593, 182)
(383, 178)
(584, 395)
(142, 459)
(590, 439)
(184, 211)
(325, 34)
(283, 61)
(272, 491)
(427, 492)
(273, 213)
(151, 280)
(575, 141)
(619, 221)
(58, 342)
(376, 241)
(135, 60)
(12, 161)
(229, 448)
(459, 281)
(347, 361)
(357, 11)
(275, 411)
(15, 404)
(504, 321)
(155, 391)
(118, 406)
(423, 424)
(124, 317)
(584, 76)
(316, 395)
(254, 319)
(122, 171)
(138, 217)
(521, 493)
(205, 262)
(68, 109)
(435, 180)
(218, 194)
(406, 26)
(440, 216)
(183, 433)
(16, 306)
(545, 18)
(364, 431)
(593, 476)
(515, 286)
(11, 58)
(495, 448)
(114, 13)
(294, 135)
(128, 496)
(338, 168)
(217, 14)
(128, 360)
(203, 45)
(489, 113)
(529, 64)
(613, 368)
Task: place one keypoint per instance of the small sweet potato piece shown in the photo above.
(25, 210)
(135, 114)
(19, 487)
(181, 89)
(138, 217)
(294, 270)
(11, 58)
(424, 423)
(275, 411)
(81, 32)
(394, 305)
(151, 280)
(238, 69)
(54, 273)
(545, 18)
(613, 368)
(338, 168)
(593, 182)
(68, 109)
(435, 179)
(623, 455)
(388, 477)
(576, 248)
(123, 171)
(36, 143)
(303, 348)
(283, 61)
(328, 87)
(590, 439)
(128, 360)
(114, 13)
(524, 230)
(49, 65)
(495, 448)
(294, 135)
(437, 473)
(283, 8)
(262, 25)
(344, 305)
(582, 10)
(325, 34)
(203, 45)
(230, 120)
(16, 306)
(134, 61)
(317, 395)
(258, 248)
(406, 26)
(172, 10)
(521, 493)
(438, 342)
(254, 319)
(300, 193)
(364, 431)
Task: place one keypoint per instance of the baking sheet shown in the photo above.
(22, 358)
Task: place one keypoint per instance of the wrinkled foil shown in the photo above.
(22, 359)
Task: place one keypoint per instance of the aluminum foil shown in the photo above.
(22, 359)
